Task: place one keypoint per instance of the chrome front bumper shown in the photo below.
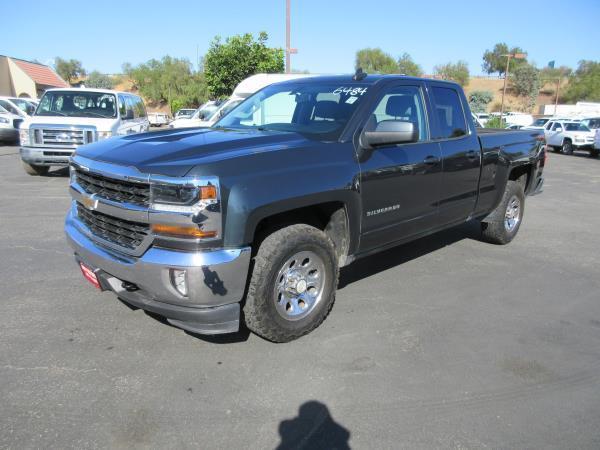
(46, 156)
(216, 280)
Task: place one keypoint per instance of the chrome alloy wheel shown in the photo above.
(299, 285)
(513, 214)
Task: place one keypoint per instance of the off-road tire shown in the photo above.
(260, 313)
(496, 232)
(34, 170)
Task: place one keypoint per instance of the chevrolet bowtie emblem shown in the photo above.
(89, 202)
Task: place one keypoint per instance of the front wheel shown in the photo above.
(293, 283)
(34, 170)
(567, 148)
(594, 153)
(509, 215)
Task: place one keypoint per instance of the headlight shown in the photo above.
(24, 137)
(104, 135)
(185, 208)
(184, 198)
(72, 175)
(4, 120)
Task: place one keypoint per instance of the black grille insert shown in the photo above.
(115, 190)
(125, 233)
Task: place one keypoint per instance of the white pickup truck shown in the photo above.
(566, 136)
(68, 118)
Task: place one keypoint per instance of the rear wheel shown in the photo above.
(292, 288)
(508, 214)
(594, 153)
(567, 147)
(34, 170)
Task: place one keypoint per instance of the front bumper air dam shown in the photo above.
(216, 281)
(46, 156)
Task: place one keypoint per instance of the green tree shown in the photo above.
(457, 72)
(585, 83)
(525, 82)
(99, 81)
(375, 60)
(227, 63)
(493, 61)
(407, 66)
(495, 122)
(169, 80)
(478, 100)
(69, 70)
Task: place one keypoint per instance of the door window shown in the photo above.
(449, 111)
(400, 103)
(556, 126)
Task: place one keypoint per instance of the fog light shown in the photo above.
(179, 281)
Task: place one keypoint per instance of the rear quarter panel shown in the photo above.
(502, 151)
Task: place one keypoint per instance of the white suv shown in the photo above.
(68, 118)
(568, 135)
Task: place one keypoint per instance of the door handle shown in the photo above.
(431, 160)
(472, 154)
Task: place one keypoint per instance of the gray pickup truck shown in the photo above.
(252, 219)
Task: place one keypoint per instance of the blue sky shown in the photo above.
(327, 33)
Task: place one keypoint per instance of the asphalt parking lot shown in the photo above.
(446, 342)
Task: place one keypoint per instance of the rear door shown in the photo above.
(460, 152)
(400, 184)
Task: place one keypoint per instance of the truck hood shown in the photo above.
(99, 123)
(175, 152)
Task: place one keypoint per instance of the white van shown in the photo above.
(68, 118)
(242, 91)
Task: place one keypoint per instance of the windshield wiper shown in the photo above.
(51, 113)
(96, 114)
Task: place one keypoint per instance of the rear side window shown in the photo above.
(449, 111)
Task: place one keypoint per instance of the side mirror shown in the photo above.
(128, 115)
(390, 132)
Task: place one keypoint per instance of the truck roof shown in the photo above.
(103, 91)
(369, 79)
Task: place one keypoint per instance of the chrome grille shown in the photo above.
(64, 137)
(124, 233)
(113, 189)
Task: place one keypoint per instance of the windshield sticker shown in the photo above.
(350, 90)
(351, 100)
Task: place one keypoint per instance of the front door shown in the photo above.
(400, 184)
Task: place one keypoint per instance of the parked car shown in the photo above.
(201, 115)
(298, 180)
(184, 112)
(24, 108)
(9, 126)
(69, 118)
(514, 127)
(158, 119)
(566, 136)
(242, 91)
(483, 118)
(593, 123)
(538, 124)
(518, 118)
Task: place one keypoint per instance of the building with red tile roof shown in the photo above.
(21, 78)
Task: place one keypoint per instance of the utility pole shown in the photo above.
(557, 90)
(508, 56)
(288, 45)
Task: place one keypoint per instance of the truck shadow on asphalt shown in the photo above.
(395, 256)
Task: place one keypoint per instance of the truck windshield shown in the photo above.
(77, 104)
(320, 111)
